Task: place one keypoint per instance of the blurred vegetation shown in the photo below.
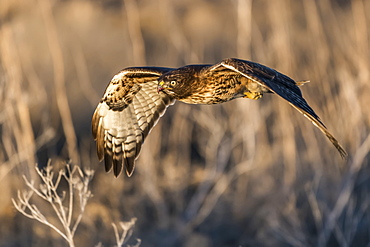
(244, 173)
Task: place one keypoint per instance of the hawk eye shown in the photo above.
(173, 83)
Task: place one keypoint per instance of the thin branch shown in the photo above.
(127, 229)
(48, 191)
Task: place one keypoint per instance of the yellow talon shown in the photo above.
(253, 95)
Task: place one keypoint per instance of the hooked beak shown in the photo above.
(160, 87)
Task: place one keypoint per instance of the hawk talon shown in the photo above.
(253, 95)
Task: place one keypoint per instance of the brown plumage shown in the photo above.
(137, 97)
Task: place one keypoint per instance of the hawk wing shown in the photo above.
(281, 85)
(129, 109)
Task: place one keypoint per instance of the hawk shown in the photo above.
(137, 97)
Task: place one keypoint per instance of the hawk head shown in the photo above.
(179, 83)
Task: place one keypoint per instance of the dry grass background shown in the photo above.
(245, 173)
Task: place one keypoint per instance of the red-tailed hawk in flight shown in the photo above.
(137, 97)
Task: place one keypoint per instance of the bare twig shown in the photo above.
(59, 78)
(127, 229)
(48, 191)
(346, 192)
(133, 24)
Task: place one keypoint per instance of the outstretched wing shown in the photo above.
(129, 109)
(281, 85)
